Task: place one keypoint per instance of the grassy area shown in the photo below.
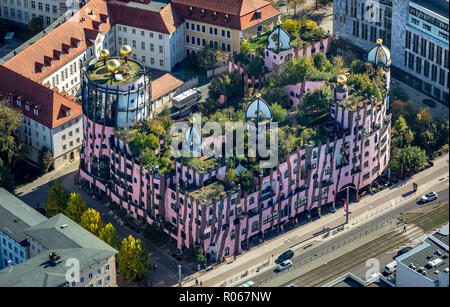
(208, 192)
(409, 217)
(258, 42)
(433, 219)
(128, 71)
(202, 165)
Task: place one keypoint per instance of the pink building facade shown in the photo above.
(355, 153)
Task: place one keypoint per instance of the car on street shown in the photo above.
(429, 197)
(390, 267)
(403, 250)
(284, 265)
(285, 256)
(429, 103)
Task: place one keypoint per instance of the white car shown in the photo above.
(429, 197)
(285, 264)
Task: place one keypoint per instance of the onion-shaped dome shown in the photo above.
(258, 110)
(113, 65)
(125, 51)
(380, 54)
(342, 87)
(104, 54)
(193, 137)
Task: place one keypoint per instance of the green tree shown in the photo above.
(6, 177)
(45, 159)
(246, 181)
(408, 159)
(209, 58)
(401, 133)
(266, 29)
(276, 95)
(195, 254)
(288, 142)
(255, 67)
(231, 176)
(291, 26)
(11, 148)
(245, 47)
(399, 93)
(92, 221)
(109, 235)
(320, 61)
(133, 259)
(363, 83)
(75, 207)
(404, 109)
(153, 233)
(56, 200)
(278, 113)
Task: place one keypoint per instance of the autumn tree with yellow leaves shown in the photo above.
(133, 259)
(92, 221)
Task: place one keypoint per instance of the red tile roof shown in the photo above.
(52, 106)
(164, 84)
(165, 21)
(70, 39)
(234, 14)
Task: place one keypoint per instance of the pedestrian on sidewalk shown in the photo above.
(404, 227)
(196, 282)
(201, 284)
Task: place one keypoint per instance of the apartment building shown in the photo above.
(418, 38)
(23, 11)
(223, 24)
(154, 32)
(49, 120)
(15, 217)
(38, 252)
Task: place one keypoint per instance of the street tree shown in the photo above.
(209, 58)
(6, 177)
(92, 221)
(11, 148)
(45, 159)
(401, 133)
(133, 259)
(109, 235)
(408, 159)
(56, 200)
(75, 207)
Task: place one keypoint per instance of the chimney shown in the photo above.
(54, 258)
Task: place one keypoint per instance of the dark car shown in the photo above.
(285, 256)
(429, 103)
(403, 250)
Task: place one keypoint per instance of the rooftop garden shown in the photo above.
(302, 31)
(208, 192)
(144, 142)
(98, 72)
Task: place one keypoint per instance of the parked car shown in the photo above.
(249, 283)
(285, 256)
(429, 197)
(390, 267)
(285, 264)
(429, 103)
(404, 250)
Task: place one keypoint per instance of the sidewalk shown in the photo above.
(360, 212)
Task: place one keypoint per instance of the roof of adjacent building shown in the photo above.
(439, 7)
(52, 106)
(70, 39)
(66, 238)
(60, 232)
(158, 16)
(165, 84)
(16, 216)
(240, 13)
(39, 271)
(434, 247)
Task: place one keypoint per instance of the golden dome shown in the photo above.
(113, 65)
(125, 51)
(104, 54)
(341, 79)
(258, 95)
(379, 41)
